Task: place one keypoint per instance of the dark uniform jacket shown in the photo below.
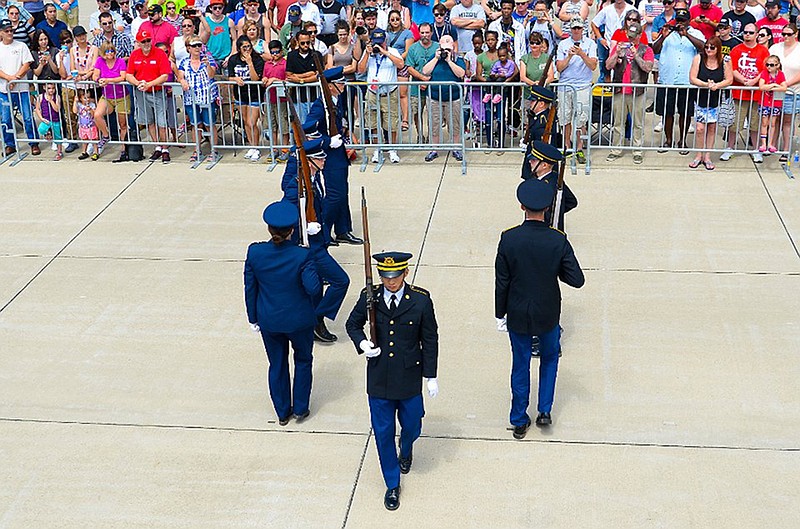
(537, 124)
(280, 287)
(408, 338)
(318, 116)
(568, 200)
(289, 188)
(531, 258)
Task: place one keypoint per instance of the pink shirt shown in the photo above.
(115, 91)
(163, 33)
(768, 98)
(278, 71)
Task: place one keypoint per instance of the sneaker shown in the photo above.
(248, 154)
(691, 128)
(213, 156)
(487, 98)
(431, 156)
(95, 156)
(726, 155)
(638, 158)
(758, 158)
(71, 147)
(102, 144)
(156, 155)
(165, 157)
(613, 156)
(376, 156)
(659, 127)
(458, 155)
(83, 156)
(581, 157)
(194, 157)
(496, 99)
(255, 156)
(394, 157)
(58, 156)
(53, 146)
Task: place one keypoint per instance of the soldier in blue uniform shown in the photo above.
(329, 270)
(407, 350)
(337, 166)
(531, 259)
(543, 162)
(280, 285)
(541, 98)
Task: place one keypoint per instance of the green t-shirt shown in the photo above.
(487, 64)
(534, 68)
(286, 34)
(418, 57)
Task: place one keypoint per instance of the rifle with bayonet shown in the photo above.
(373, 332)
(559, 192)
(330, 106)
(305, 191)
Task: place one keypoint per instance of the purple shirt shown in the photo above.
(115, 91)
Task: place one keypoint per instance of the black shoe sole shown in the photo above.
(302, 417)
(325, 339)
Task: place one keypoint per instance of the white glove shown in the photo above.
(254, 327)
(501, 325)
(369, 349)
(336, 141)
(314, 228)
(433, 387)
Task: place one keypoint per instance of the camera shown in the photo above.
(444, 54)
(376, 49)
(361, 30)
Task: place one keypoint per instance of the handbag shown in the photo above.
(726, 115)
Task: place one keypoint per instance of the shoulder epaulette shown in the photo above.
(559, 231)
(419, 290)
(510, 228)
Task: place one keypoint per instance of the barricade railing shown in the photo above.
(728, 121)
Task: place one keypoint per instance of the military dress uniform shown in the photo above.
(337, 166)
(329, 270)
(541, 151)
(280, 285)
(537, 125)
(531, 259)
(407, 350)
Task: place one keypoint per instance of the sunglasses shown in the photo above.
(190, 26)
(772, 65)
(145, 41)
(748, 32)
(304, 43)
(66, 41)
(124, 3)
(109, 52)
(710, 47)
(106, 23)
(276, 52)
(243, 48)
(312, 32)
(196, 45)
(216, 7)
(787, 34)
(438, 14)
(634, 19)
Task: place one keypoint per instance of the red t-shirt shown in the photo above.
(749, 62)
(768, 98)
(278, 71)
(282, 6)
(149, 67)
(775, 26)
(621, 36)
(163, 33)
(712, 13)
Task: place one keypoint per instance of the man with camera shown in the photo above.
(381, 63)
(445, 100)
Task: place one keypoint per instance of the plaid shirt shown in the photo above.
(202, 90)
(121, 41)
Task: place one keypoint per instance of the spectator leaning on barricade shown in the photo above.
(445, 100)
(15, 62)
(629, 63)
(712, 72)
(277, 113)
(68, 92)
(612, 17)
(148, 70)
(484, 62)
(467, 17)
(51, 25)
(122, 42)
(418, 56)
(738, 17)
(677, 44)
(788, 52)
(195, 73)
(576, 59)
(110, 73)
(747, 60)
(383, 101)
(301, 69)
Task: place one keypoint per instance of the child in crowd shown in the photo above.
(770, 81)
(48, 112)
(84, 107)
(503, 70)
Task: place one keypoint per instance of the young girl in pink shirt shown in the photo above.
(770, 81)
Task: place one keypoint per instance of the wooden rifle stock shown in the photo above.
(333, 130)
(304, 187)
(373, 332)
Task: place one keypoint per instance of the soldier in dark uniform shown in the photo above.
(337, 166)
(543, 162)
(541, 99)
(280, 285)
(407, 350)
(329, 270)
(531, 258)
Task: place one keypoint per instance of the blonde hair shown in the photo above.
(105, 46)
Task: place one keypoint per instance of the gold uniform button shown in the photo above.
(411, 323)
(391, 354)
(417, 363)
(391, 332)
(408, 297)
(391, 322)
(391, 344)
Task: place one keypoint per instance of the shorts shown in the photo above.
(671, 101)
(151, 107)
(770, 111)
(88, 133)
(53, 126)
(389, 107)
(199, 113)
(120, 105)
(574, 102)
(706, 114)
(418, 104)
(791, 103)
(746, 110)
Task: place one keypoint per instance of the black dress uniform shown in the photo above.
(543, 152)
(537, 125)
(408, 350)
(531, 259)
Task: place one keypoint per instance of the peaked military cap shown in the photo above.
(535, 194)
(545, 152)
(540, 93)
(392, 264)
(334, 74)
(281, 214)
(314, 148)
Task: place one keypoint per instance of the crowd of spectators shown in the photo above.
(117, 66)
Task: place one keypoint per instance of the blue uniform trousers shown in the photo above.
(280, 387)
(382, 413)
(338, 281)
(521, 373)
(337, 207)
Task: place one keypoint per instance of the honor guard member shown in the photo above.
(541, 99)
(337, 166)
(329, 270)
(407, 350)
(280, 288)
(543, 162)
(531, 258)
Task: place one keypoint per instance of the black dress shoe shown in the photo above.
(283, 421)
(405, 463)
(543, 419)
(349, 238)
(301, 417)
(333, 243)
(123, 157)
(322, 334)
(391, 500)
(521, 431)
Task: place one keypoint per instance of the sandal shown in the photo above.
(404, 125)
(695, 164)
(709, 166)
(193, 158)
(784, 158)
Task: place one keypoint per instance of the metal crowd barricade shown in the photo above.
(619, 115)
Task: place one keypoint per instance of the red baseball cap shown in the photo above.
(143, 35)
(216, 2)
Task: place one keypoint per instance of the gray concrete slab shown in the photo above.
(15, 272)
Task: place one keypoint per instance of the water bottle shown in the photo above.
(795, 158)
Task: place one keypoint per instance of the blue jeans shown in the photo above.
(409, 413)
(22, 101)
(602, 55)
(521, 373)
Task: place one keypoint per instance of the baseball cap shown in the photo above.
(682, 14)
(77, 31)
(725, 23)
(575, 22)
(378, 36)
(772, 3)
(5, 24)
(293, 13)
(143, 35)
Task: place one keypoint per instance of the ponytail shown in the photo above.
(280, 235)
